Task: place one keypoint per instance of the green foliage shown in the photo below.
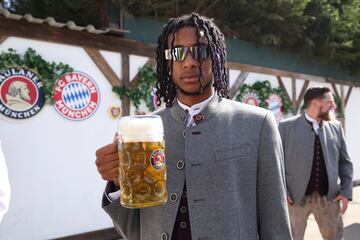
(339, 106)
(326, 29)
(263, 90)
(147, 81)
(83, 12)
(48, 72)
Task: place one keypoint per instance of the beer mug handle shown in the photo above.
(116, 137)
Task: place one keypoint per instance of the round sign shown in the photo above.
(157, 159)
(76, 96)
(21, 93)
(251, 98)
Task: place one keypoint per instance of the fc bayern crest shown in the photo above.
(21, 93)
(76, 96)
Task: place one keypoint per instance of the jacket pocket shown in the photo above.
(241, 152)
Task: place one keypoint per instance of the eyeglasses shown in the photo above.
(179, 53)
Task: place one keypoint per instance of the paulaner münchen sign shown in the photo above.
(21, 93)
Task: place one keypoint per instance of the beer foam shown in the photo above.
(141, 128)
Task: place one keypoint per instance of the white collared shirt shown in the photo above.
(4, 186)
(315, 124)
(194, 109)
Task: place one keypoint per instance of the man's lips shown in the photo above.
(190, 77)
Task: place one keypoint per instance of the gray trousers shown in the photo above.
(326, 213)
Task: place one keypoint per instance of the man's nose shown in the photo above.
(333, 104)
(190, 61)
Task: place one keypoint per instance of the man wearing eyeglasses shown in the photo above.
(225, 174)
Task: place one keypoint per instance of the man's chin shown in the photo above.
(328, 116)
(194, 91)
(190, 93)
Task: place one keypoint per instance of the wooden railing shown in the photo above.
(104, 234)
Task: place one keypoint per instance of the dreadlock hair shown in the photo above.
(314, 93)
(166, 88)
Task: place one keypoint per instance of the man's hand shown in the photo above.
(343, 203)
(107, 162)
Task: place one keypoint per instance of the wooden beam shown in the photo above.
(348, 95)
(301, 96)
(227, 72)
(135, 81)
(237, 84)
(125, 69)
(343, 103)
(103, 65)
(342, 97)
(44, 32)
(104, 234)
(282, 86)
(342, 82)
(3, 38)
(293, 89)
(283, 73)
(335, 90)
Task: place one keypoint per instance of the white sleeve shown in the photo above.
(4, 186)
(114, 196)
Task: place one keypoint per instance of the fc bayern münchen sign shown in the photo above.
(76, 96)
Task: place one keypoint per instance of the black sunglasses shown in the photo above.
(179, 54)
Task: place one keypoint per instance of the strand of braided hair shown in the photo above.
(166, 88)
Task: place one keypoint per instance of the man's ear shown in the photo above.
(315, 102)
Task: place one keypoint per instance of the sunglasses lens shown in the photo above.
(200, 52)
(179, 53)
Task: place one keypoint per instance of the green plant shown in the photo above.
(48, 72)
(147, 80)
(339, 106)
(263, 89)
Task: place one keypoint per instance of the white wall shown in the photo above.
(56, 190)
(352, 111)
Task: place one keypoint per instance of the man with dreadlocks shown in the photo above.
(224, 158)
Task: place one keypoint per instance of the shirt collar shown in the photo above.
(196, 108)
(315, 124)
(210, 109)
(310, 119)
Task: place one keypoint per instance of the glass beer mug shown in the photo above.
(142, 161)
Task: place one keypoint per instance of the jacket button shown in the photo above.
(184, 195)
(183, 209)
(180, 164)
(183, 225)
(198, 117)
(164, 236)
(173, 197)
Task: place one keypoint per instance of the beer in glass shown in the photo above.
(142, 161)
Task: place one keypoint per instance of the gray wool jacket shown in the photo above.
(234, 177)
(298, 143)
